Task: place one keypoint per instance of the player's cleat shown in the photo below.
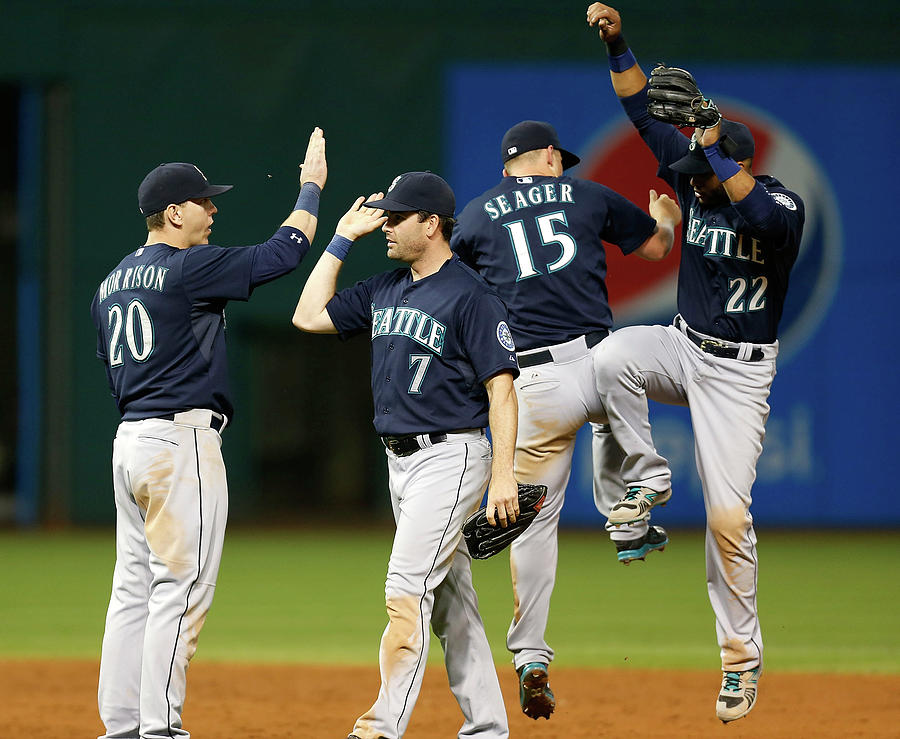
(636, 505)
(738, 694)
(534, 691)
(654, 540)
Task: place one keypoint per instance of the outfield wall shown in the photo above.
(237, 86)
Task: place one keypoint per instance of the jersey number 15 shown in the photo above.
(545, 225)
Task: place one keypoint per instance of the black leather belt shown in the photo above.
(718, 349)
(403, 446)
(544, 356)
(215, 423)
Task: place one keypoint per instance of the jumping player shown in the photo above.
(537, 239)
(161, 335)
(443, 364)
(740, 239)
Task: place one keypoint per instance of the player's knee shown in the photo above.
(611, 358)
(729, 526)
(402, 609)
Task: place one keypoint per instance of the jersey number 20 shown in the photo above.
(545, 226)
(138, 332)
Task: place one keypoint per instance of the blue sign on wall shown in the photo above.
(831, 430)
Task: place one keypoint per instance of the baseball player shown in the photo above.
(537, 239)
(740, 239)
(443, 364)
(161, 336)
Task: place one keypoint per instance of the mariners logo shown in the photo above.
(784, 201)
(643, 292)
(504, 336)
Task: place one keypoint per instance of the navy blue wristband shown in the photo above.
(339, 246)
(622, 62)
(724, 167)
(308, 199)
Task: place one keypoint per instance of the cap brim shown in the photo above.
(692, 163)
(568, 159)
(398, 207)
(212, 191)
(389, 204)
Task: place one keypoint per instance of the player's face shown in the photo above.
(709, 190)
(197, 219)
(406, 239)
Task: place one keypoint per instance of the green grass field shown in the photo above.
(828, 600)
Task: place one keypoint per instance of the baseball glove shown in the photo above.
(675, 98)
(484, 540)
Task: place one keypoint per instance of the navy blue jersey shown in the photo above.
(735, 258)
(160, 318)
(537, 242)
(434, 343)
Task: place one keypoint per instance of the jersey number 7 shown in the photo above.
(420, 362)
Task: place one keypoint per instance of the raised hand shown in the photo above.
(314, 168)
(606, 19)
(359, 220)
(663, 209)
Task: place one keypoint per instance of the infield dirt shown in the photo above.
(57, 699)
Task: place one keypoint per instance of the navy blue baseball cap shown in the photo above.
(418, 191)
(174, 182)
(738, 145)
(531, 135)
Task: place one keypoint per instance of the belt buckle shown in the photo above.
(709, 345)
(394, 446)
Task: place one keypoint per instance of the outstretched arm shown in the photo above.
(630, 84)
(313, 173)
(627, 76)
(503, 493)
(311, 314)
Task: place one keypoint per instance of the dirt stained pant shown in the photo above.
(556, 399)
(728, 405)
(171, 507)
(429, 580)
